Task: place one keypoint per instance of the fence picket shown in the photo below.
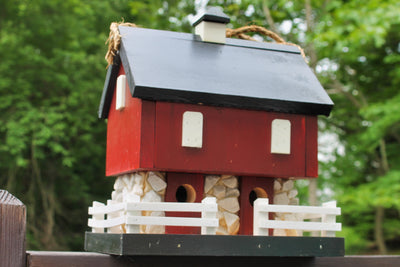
(113, 215)
(328, 218)
(97, 217)
(132, 228)
(259, 216)
(209, 212)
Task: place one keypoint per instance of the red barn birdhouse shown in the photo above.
(201, 115)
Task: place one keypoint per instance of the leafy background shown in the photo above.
(52, 69)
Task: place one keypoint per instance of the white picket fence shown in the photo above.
(129, 213)
(326, 213)
(112, 216)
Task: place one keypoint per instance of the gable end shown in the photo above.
(108, 89)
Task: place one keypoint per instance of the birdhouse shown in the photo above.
(200, 115)
(202, 105)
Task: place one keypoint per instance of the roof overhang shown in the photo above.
(179, 67)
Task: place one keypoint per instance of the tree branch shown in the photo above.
(338, 87)
(309, 20)
(268, 16)
(383, 156)
(380, 210)
(310, 49)
(379, 238)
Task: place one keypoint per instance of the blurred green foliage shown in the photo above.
(52, 69)
(52, 144)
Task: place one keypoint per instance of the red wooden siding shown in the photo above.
(146, 135)
(130, 135)
(234, 142)
(247, 184)
(311, 146)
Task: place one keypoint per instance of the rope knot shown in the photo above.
(114, 40)
(241, 34)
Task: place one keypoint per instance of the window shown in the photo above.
(192, 129)
(280, 136)
(120, 95)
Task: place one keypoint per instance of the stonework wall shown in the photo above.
(285, 194)
(226, 189)
(150, 186)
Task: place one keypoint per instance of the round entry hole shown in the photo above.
(257, 192)
(185, 193)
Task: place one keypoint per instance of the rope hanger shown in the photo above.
(114, 38)
(240, 33)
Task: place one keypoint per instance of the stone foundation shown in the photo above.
(285, 194)
(226, 189)
(150, 186)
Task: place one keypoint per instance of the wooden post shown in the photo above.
(207, 215)
(132, 228)
(260, 216)
(329, 218)
(12, 230)
(112, 215)
(98, 217)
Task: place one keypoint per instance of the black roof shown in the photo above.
(179, 67)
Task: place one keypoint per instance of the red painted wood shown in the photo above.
(247, 184)
(130, 135)
(311, 146)
(147, 134)
(234, 142)
(175, 180)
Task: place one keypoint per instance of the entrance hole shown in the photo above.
(185, 193)
(257, 192)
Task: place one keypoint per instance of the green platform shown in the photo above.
(213, 245)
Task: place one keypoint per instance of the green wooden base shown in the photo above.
(213, 245)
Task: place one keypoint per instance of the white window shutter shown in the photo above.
(121, 89)
(280, 136)
(192, 129)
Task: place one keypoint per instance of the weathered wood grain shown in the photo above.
(76, 259)
(12, 230)
(85, 259)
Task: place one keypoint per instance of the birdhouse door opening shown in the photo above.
(252, 188)
(185, 193)
(257, 192)
(183, 187)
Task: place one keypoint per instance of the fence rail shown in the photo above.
(327, 213)
(129, 213)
